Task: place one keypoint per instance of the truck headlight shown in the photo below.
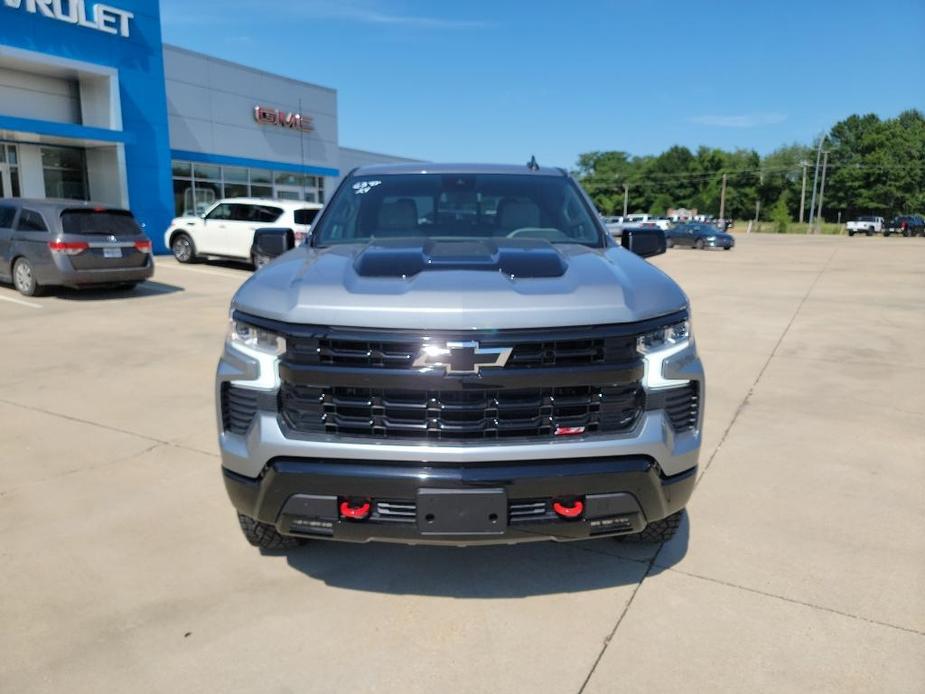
(657, 346)
(256, 338)
(664, 338)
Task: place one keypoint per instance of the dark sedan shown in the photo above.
(699, 235)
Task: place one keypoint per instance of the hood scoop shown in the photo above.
(408, 257)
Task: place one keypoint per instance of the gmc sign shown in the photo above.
(284, 119)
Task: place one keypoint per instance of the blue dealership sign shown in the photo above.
(124, 35)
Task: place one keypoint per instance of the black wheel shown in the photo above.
(183, 248)
(657, 531)
(699, 244)
(24, 279)
(850, 233)
(870, 232)
(726, 248)
(669, 243)
(264, 535)
(886, 234)
(259, 260)
(905, 233)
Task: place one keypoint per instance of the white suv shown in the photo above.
(226, 229)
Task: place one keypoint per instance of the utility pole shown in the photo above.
(626, 200)
(812, 204)
(825, 162)
(804, 164)
(722, 200)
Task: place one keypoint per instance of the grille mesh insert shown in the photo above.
(459, 415)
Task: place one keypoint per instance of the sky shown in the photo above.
(501, 80)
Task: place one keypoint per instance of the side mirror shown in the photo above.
(270, 243)
(644, 242)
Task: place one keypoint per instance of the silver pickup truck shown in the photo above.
(460, 354)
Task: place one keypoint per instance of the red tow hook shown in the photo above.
(355, 511)
(568, 509)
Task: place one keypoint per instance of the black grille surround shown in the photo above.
(557, 382)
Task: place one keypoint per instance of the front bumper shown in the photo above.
(646, 473)
(67, 276)
(300, 497)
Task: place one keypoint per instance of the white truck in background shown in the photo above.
(866, 225)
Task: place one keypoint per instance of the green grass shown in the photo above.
(765, 227)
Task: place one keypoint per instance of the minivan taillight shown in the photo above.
(143, 246)
(68, 247)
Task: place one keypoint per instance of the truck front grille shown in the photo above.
(529, 351)
(460, 415)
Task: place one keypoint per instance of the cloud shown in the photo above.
(747, 120)
(350, 11)
(358, 11)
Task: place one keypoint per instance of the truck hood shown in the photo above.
(473, 285)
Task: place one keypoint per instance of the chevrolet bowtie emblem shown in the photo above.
(462, 357)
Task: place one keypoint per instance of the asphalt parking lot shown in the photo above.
(801, 566)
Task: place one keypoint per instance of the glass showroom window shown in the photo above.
(9, 171)
(65, 173)
(197, 186)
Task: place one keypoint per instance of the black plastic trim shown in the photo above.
(638, 476)
(579, 332)
(409, 379)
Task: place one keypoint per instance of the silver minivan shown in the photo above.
(45, 242)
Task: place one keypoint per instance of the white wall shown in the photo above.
(28, 95)
(31, 178)
(211, 102)
(105, 174)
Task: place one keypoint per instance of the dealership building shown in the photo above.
(93, 105)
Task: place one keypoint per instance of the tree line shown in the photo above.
(875, 166)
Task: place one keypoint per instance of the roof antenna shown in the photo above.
(532, 165)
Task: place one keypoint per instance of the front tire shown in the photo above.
(264, 535)
(259, 261)
(850, 233)
(658, 531)
(183, 248)
(870, 232)
(24, 279)
(699, 244)
(669, 243)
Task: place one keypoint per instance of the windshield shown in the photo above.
(457, 206)
(99, 221)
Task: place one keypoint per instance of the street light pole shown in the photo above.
(626, 200)
(812, 204)
(825, 163)
(804, 164)
(722, 201)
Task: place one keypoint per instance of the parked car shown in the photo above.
(907, 225)
(699, 235)
(513, 377)
(226, 229)
(865, 225)
(47, 242)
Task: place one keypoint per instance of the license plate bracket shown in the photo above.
(112, 252)
(462, 511)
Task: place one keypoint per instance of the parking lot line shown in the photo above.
(20, 302)
(201, 271)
